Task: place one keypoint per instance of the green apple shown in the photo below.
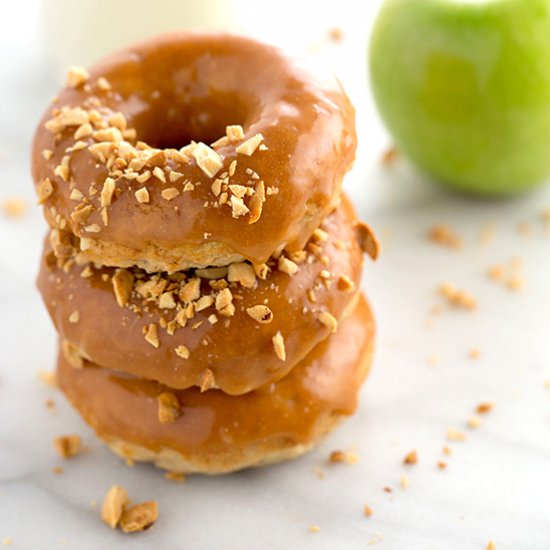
(464, 88)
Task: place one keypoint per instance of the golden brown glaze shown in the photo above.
(215, 432)
(183, 87)
(238, 350)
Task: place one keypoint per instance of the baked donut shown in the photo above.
(213, 433)
(226, 327)
(121, 160)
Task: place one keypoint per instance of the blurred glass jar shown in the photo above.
(79, 32)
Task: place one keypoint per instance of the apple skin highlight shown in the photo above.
(464, 89)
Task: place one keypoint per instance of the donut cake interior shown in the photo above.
(206, 293)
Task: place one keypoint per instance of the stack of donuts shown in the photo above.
(202, 267)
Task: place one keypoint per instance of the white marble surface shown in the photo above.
(497, 483)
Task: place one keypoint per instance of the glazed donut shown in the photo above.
(121, 159)
(214, 433)
(179, 330)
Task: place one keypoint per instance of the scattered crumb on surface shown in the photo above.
(175, 476)
(455, 435)
(474, 353)
(314, 528)
(510, 275)
(367, 511)
(389, 156)
(457, 298)
(57, 470)
(444, 235)
(116, 511)
(139, 517)
(491, 545)
(474, 422)
(404, 481)
(319, 473)
(411, 458)
(113, 505)
(484, 408)
(343, 457)
(376, 539)
(14, 207)
(547, 384)
(67, 446)
(6, 541)
(336, 34)
(49, 377)
(388, 490)
(442, 465)
(447, 450)
(434, 360)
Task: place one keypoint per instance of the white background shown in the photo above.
(497, 483)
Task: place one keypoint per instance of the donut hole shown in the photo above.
(173, 123)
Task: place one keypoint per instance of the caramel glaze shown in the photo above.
(292, 411)
(239, 350)
(184, 86)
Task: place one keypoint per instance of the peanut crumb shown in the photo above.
(367, 239)
(6, 541)
(76, 76)
(484, 408)
(49, 377)
(457, 298)
(122, 281)
(14, 208)
(175, 476)
(260, 313)
(242, 273)
(207, 380)
(474, 422)
(72, 355)
(139, 517)
(67, 446)
(314, 528)
(113, 505)
(238, 207)
(207, 159)
(279, 346)
(45, 190)
(234, 132)
(169, 408)
(182, 352)
(287, 266)
(444, 235)
(345, 284)
(142, 195)
(169, 193)
(455, 435)
(411, 458)
(491, 545)
(389, 156)
(474, 353)
(328, 320)
(107, 191)
(367, 511)
(442, 465)
(404, 481)
(343, 457)
(74, 317)
(516, 283)
(152, 335)
(249, 146)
